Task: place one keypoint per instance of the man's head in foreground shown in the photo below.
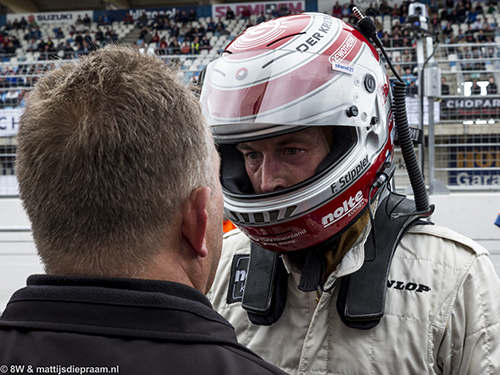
(118, 172)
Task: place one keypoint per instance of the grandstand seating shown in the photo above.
(19, 70)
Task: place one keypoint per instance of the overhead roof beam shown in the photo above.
(20, 6)
(122, 4)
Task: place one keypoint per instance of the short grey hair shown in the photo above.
(108, 149)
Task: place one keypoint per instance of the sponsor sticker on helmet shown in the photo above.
(343, 68)
(345, 48)
(241, 74)
(351, 176)
(348, 208)
(383, 90)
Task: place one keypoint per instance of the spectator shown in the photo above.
(445, 89)
(79, 26)
(435, 23)
(10, 48)
(488, 32)
(283, 11)
(384, 8)
(192, 15)
(245, 13)
(492, 7)
(177, 16)
(205, 44)
(397, 42)
(78, 38)
(412, 89)
(475, 89)
(469, 35)
(159, 23)
(175, 32)
(59, 33)
(184, 18)
(395, 12)
(491, 89)
(346, 11)
(195, 46)
(134, 299)
(261, 18)
(229, 14)
(127, 19)
(87, 21)
(371, 11)
(461, 12)
(35, 32)
(23, 24)
(477, 24)
(143, 20)
(337, 10)
(162, 46)
(220, 27)
(210, 25)
(68, 51)
(174, 47)
(99, 36)
(408, 76)
(453, 17)
(156, 38)
(111, 36)
(87, 37)
(32, 45)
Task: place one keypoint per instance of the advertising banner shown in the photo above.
(219, 10)
(412, 110)
(118, 15)
(9, 121)
(470, 108)
(473, 165)
(68, 18)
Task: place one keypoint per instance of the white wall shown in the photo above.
(471, 214)
(18, 257)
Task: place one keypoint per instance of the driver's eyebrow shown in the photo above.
(292, 138)
(244, 147)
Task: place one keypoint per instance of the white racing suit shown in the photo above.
(442, 312)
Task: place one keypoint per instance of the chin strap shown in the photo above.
(361, 298)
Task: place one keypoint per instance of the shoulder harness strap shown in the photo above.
(361, 298)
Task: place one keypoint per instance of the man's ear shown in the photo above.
(195, 219)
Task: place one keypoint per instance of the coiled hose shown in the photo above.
(368, 28)
(403, 129)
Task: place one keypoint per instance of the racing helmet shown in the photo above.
(283, 76)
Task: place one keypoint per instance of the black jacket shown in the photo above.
(120, 326)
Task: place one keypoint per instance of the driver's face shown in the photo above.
(277, 163)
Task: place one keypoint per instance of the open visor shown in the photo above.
(247, 92)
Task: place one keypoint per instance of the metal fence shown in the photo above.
(461, 149)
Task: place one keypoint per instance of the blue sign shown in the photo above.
(474, 165)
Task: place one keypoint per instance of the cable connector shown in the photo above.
(367, 26)
(385, 175)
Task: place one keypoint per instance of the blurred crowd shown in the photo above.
(452, 22)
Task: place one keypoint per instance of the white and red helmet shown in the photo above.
(283, 76)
